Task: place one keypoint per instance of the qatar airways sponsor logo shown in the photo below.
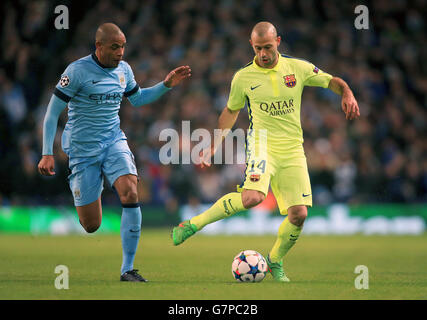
(278, 108)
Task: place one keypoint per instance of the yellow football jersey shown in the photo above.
(273, 97)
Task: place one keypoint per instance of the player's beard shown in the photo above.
(269, 62)
(266, 63)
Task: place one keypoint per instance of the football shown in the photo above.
(249, 266)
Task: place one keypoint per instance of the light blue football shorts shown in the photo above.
(86, 177)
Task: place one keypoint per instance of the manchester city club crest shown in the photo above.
(122, 79)
(290, 80)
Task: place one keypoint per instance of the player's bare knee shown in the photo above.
(251, 199)
(129, 196)
(297, 215)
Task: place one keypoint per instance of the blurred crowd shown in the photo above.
(381, 157)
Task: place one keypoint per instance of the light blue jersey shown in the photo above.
(92, 138)
(94, 94)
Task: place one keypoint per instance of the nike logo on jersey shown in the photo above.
(94, 82)
(306, 195)
(253, 88)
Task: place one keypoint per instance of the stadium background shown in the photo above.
(370, 169)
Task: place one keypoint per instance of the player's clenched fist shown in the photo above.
(46, 166)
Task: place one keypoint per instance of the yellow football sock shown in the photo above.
(286, 237)
(223, 208)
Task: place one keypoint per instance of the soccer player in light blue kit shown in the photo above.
(93, 88)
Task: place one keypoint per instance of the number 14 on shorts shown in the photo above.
(256, 169)
(261, 166)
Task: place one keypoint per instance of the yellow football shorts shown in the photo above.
(287, 173)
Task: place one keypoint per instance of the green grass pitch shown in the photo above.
(320, 267)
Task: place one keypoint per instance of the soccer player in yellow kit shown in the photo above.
(271, 86)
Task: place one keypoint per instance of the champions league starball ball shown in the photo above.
(249, 266)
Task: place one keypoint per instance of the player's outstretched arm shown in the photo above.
(144, 96)
(225, 122)
(47, 163)
(348, 102)
(176, 76)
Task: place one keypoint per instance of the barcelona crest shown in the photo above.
(290, 80)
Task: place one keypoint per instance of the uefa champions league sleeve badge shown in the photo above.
(64, 81)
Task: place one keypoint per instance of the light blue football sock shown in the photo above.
(130, 231)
